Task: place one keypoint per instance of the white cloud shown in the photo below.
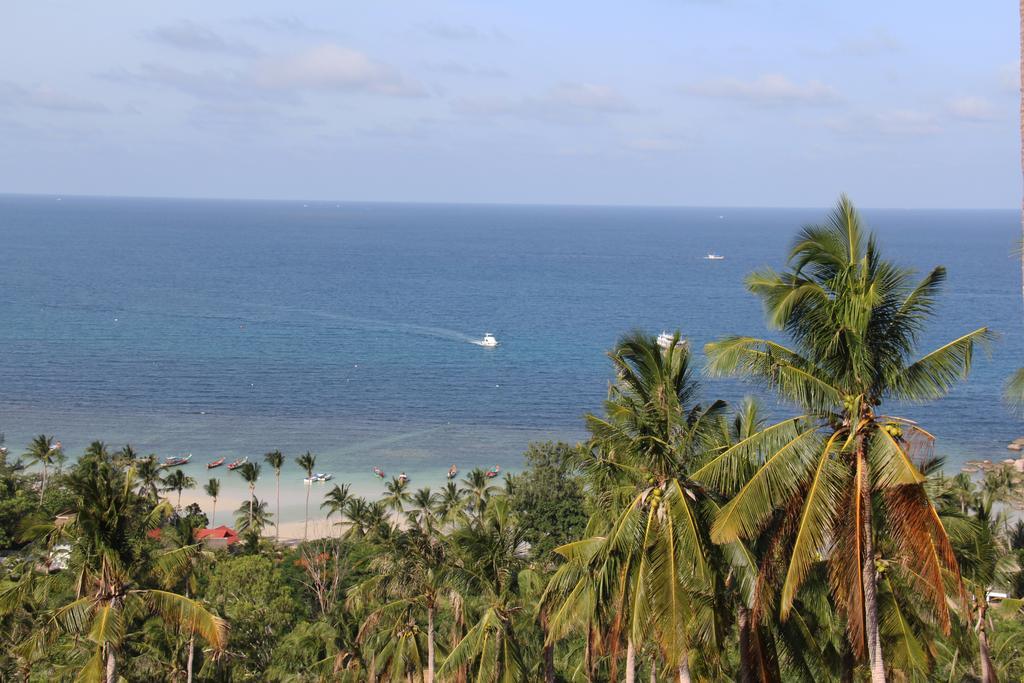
(325, 68)
(588, 96)
(459, 69)
(655, 145)
(970, 108)
(288, 25)
(188, 35)
(206, 85)
(875, 43)
(461, 32)
(893, 122)
(769, 89)
(563, 103)
(332, 67)
(45, 97)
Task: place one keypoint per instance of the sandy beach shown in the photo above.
(234, 492)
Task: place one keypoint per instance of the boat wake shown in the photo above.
(383, 325)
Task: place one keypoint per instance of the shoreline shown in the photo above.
(235, 492)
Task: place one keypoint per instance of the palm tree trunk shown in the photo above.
(305, 524)
(252, 489)
(868, 583)
(549, 663)
(988, 674)
(191, 658)
(111, 666)
(458, 628)
(743, 626)
(277, 526)
(684, 668)
(191, 647)
(213, 522)
(42, 489)
(630, 661)
(654, 670)
(179, 499)
(589, 654)
(430, 645)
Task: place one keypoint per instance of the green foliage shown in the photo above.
(547, 498)
(17, 501)
(251, 593)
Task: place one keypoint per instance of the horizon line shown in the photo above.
(283, 200)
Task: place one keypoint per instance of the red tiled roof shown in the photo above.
(225, 532)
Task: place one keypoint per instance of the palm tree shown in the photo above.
(987, 563)
(410, 578)
(423, 506)
(477, 487)
(492, 565)
(127, 455)
(307, 462)
(396, 494)
(178, 481)
(150, 477)
(356, 513)
(212, 489)
(653, 554)
(253, 517)
(854, 319)
(42, 451)
(276, 460)
(337, 501)
(181, 566)
(110, 568)
(449, 503)
(250, 472)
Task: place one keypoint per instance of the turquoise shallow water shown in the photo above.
(231, 328)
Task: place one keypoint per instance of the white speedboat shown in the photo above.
(489, 340)
(714, 257)
(665, 341)
(317, 477)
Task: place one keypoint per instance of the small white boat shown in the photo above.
(714, 257)
(489, 340)
(317, 477)
(665, 341)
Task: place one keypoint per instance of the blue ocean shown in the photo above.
(229, 328)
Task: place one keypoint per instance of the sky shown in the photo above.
(651, 102)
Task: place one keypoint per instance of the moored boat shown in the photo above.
(216, 463)
(177, 461)
(238, 463)
(379, 472)
(665, 341)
